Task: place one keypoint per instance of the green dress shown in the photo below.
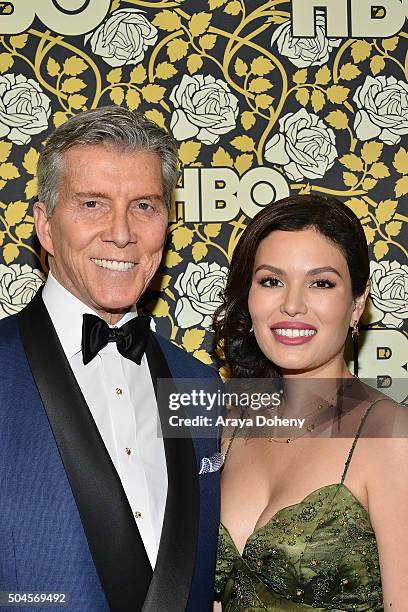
(319, 554)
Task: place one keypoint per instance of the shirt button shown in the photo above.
(127, 451)
(138, 514)
(118, 391)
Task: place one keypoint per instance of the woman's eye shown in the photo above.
(323, 284)
(271, 282)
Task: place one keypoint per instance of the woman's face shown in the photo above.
(301, 303)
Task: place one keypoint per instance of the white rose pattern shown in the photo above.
(123, 38)
(389, 292)
(199, 288)
(304, 52)
(383, 109)
(305, 146)
(18, 286)
(24, 108)
(205, 109)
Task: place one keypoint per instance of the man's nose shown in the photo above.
(121, 230)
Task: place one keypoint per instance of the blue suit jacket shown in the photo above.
(65, 523)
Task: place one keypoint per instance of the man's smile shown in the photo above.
(112, 264)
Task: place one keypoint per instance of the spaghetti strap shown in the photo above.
(230, 443)
(353, 446)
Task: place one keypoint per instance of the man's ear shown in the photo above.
(359, 305)
(43, 227)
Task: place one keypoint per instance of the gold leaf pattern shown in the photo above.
(245, 92)
(165, 70)
(371, 151)
(352, 162)
(138, 75)
(31, 160)
(6, 61)
(207, 41)
(300, 76)
(15, 213)
(381, 249)
(348, 72)
(18, 42)
(259, 85)
(386, 210)
(400, 161)
(72, 85)
(222, 158)
(5, 150)
(10, 252)
(192, 339)
(167, 20)
(74, 65)
(248, 119)
(199, 251)
(156, 116)
(194, 63)
(233, 8)
(240, 67)
(182, 237)
(360, 50)
(189, 151)
(53, 67)
(261, 66)
(337, 119)
(323, 76)
(133, 99)
(199, 23)
(176, 49)
(243, 143)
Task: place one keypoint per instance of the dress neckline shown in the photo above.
(302, 501)
(339, 485)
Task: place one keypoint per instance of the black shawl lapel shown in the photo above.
(114, 540)
(172, 576)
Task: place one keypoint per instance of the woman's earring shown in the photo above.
(355, 334)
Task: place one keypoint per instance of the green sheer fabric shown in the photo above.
(319, 554)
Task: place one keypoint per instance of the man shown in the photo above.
(94, 503)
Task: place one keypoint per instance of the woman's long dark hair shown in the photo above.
(234, 344)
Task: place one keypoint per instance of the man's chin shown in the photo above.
(115, 306)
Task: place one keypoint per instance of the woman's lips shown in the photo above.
(290, 333)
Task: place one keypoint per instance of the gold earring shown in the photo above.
(354, 332)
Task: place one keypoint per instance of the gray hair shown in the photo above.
(112, 125)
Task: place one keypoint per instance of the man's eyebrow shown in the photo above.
(90, 194)
(98, 194)
(154, 196)
(312, 272)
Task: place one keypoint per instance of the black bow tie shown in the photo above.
(131, 338)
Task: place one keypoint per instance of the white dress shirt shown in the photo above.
(121, 398)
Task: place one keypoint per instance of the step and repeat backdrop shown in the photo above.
(266, 98)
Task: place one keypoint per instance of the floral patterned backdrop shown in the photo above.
(239, 93)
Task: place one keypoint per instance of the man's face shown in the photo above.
(106, 234)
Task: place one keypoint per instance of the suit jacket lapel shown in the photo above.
(114, 540)
(172, 576)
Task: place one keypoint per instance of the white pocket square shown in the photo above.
(211, 464)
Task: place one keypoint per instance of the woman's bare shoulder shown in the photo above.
(383, 416)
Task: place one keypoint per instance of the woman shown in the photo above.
(298, 281)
